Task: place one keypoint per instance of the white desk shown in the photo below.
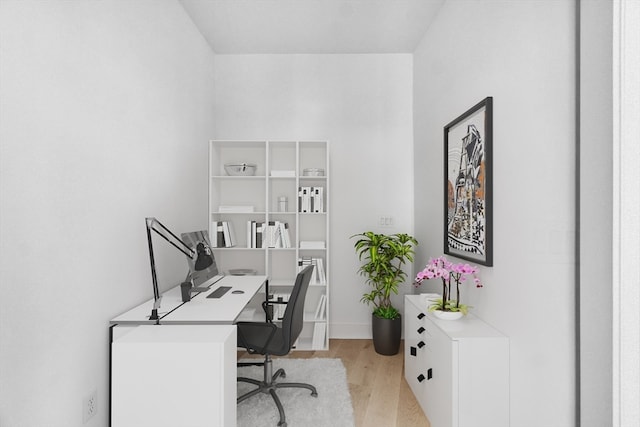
(174, 375)
(200, 310)
(158, 370)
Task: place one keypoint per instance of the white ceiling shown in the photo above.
(312, 26)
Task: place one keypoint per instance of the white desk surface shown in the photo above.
(200, 310)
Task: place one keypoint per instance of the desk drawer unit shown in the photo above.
(174, 375)
(458, 370)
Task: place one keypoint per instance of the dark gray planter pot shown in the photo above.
(386, 335)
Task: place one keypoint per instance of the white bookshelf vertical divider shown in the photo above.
(279, 216)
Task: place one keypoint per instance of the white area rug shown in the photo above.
(332, 407)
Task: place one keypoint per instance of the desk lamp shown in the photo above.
(203, 259)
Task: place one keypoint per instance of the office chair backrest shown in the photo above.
(292, 321)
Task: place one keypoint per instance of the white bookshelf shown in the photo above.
(280, 167)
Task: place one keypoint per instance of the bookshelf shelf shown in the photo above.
(249, 205)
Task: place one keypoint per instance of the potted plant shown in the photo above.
(384, 257)
(451, 274)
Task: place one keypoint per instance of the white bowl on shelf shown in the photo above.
(240, 169)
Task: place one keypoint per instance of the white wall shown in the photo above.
(596, 213)
(105, 115)
(523, 54)
(362, 105)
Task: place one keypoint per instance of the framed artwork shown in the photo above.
(468, 206)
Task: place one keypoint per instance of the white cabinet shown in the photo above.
(457, 369)
(253, 207)
(156, 380)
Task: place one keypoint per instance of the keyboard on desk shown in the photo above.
(219, 292)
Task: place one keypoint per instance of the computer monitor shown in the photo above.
(203, 269)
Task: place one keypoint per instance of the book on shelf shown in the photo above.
(274, 234)
(254, 229)
(284, 234)
(228, 237)
(310, 199)
(217, 238)
(232, 235)
(318, 276)
(317, 199)
(220, 234)
(322, 278)
(319, 333)
(302, 199)
(227, 230)
(249, 234)
(259, 227)
(223, 235)
(321, 308)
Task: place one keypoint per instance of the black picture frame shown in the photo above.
(468, 185)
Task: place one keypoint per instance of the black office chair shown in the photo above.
(268, 339)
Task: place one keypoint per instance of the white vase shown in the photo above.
(447, 315)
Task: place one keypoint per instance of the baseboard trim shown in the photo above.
(350, 330)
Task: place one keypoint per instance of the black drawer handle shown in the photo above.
(421, 330)
(421, 378)
(429, 373)
(421, 344)
(420, 316)
(413, 351)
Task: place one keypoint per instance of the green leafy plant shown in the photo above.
(383, 258)
(450, 305)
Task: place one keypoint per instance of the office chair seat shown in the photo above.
(267, 339)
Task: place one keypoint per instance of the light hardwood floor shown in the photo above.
(379, 392)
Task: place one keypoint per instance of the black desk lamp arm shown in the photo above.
(186, 249)
(160, 229)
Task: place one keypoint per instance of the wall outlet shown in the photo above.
(89, 406)
(385, 221)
